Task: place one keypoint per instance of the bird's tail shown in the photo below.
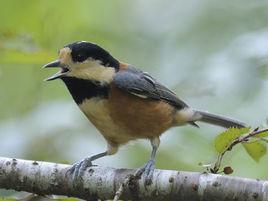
(218, 120)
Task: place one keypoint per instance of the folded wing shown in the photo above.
(143, 85)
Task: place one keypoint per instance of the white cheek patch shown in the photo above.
(93, 70)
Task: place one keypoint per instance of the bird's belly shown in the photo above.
(128, 118)
(142, 118)
(97, 111)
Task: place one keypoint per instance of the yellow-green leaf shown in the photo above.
(223, 140)
(255, 149)
(262, 134)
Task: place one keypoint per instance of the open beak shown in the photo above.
(56, 64)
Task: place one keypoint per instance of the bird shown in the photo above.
(123, 102)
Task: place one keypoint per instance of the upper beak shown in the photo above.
(55, 64)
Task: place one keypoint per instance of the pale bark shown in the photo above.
(45, 178)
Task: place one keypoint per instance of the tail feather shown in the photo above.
(218, 120)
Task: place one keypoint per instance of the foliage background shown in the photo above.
(213, 54)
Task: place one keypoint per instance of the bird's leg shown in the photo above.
(148, 169)
(78, 168)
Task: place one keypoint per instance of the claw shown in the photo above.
(147, 171)
(78, 168)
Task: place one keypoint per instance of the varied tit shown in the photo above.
(123, 102)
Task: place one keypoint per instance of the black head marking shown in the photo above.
(81, 51)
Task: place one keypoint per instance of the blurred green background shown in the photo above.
(213, 54)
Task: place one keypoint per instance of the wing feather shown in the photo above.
(143, 85)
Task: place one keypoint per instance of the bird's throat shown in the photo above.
(82, 89)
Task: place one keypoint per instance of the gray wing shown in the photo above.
(141, 84)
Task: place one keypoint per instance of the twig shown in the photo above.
(129, 179)
(238, 140)
(120, 190)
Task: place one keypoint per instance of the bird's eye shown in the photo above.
(80, 57)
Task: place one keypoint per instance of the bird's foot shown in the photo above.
(78, 168)
(147, 171)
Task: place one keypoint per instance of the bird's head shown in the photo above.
(84, 60)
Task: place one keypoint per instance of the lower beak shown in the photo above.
(56, 64)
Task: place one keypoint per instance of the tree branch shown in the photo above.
(45, 178)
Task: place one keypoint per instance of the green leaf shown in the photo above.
(255, 149)
(262, 134)
(223, 140)
(264, 140)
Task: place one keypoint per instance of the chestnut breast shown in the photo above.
(124, 117)
(97, 112)
(139, 117)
